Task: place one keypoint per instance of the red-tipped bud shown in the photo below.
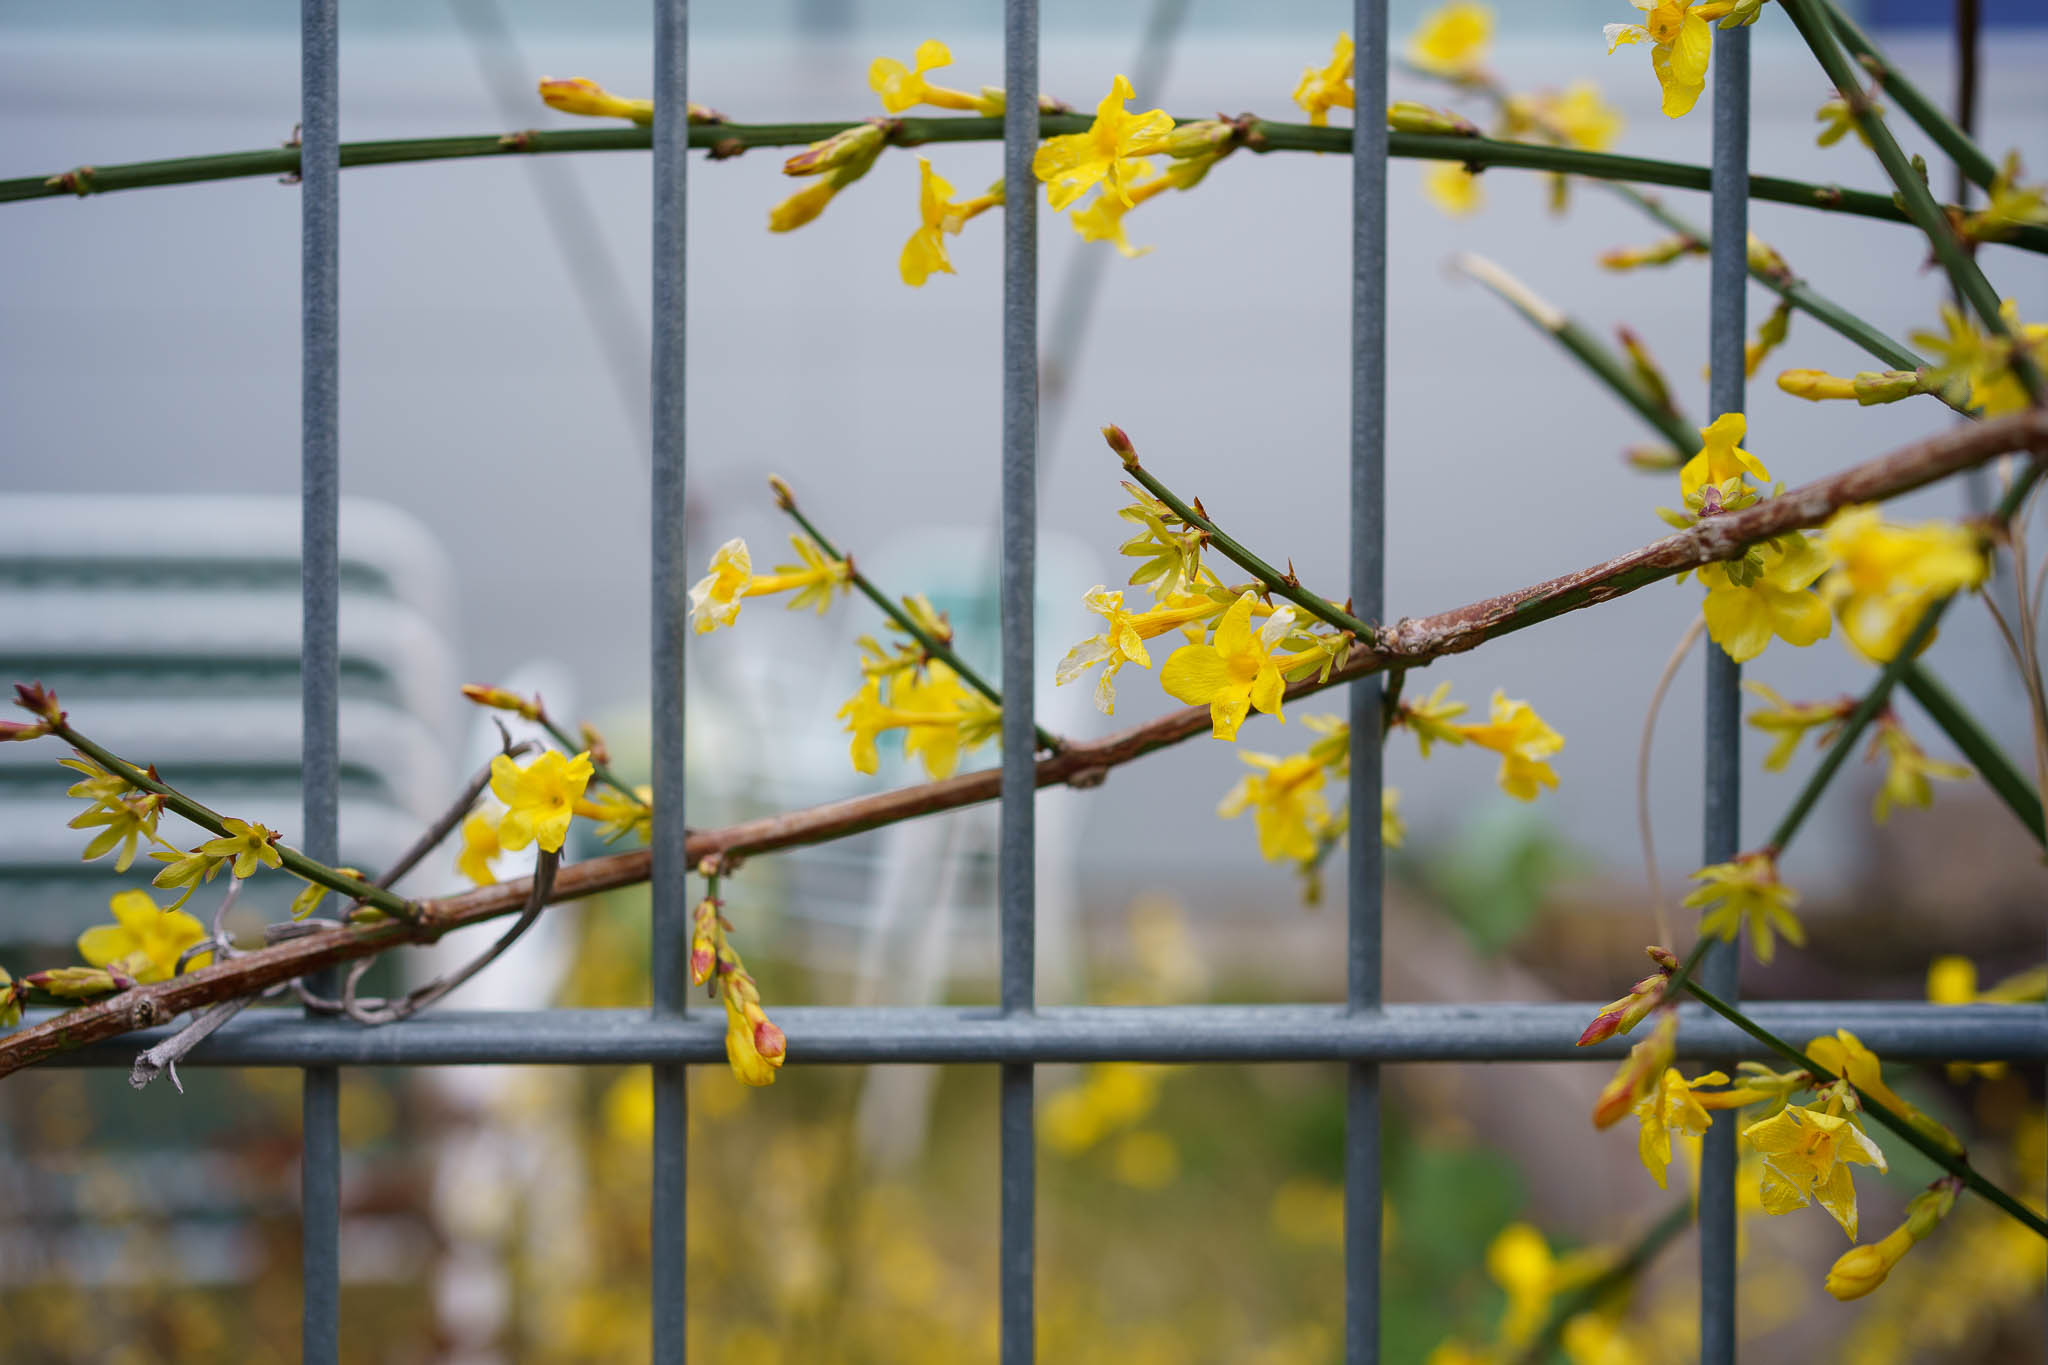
(770, 1041)
(15, 730)
(784, 498)
(1663, 957)
(499, 699)
(1121, 444)
(38, 700)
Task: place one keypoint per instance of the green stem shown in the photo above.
(355, 888)
(1956, 1166)
(1919, 203)
(601, 771)
(1604, 364)
(1989, 760)
(1279, 584)
(1589, 1296)
(1969, 158)
(931, 644)
(731, 138)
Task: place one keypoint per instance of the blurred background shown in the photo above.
(493, 383)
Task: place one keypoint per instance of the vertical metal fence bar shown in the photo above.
(1728, 281)
(1017, 852)
(319, 637)
(670, 921)
(1362, 1191)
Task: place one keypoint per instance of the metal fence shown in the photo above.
(1013, 1036)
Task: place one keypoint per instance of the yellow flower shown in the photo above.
(715, 598)
(1807, 1153)
(1288, 795)
(1681, 44)
(925, 252)
(938, 716)
(619, 815)
(1451, 40)
(1743, 617)
(1861, 1269)
(540, 798)
(1582, 117)
(1908, 770)
(1102, 220)
(1523, 741)
(125, 821)
(1671, 1108)
(144, 942)
(1886, 576)
(1747, 889)
(1845, 1055)
(1106, 154)
(2011, 205)
(1721, 456)
(903, 87)
(1431, 718)
(10, 1000)
(1323, 89)
(1790, 721)
(1452, 188)
(586, 97)
(1124, 639)
(312, 893)
(1976, 365)
(1522, 1264)
(1172, 559)
(1393, 830)
(247, 844)
(1236, 673)
(479, 848)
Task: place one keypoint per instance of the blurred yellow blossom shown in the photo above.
(1807, 1153)
(1451, 39)
(619, 815)
(1908, 771)
(925, 252)
(1789, 721)
(1322, 89)
(1522, 1264)
(1775, 602)
(1885, 576)
(1431, 718)
(540, 798)
(1393, 829)
(938, 716)
(1452, 188)
(1523, 740)
(1107, 154)
(479, 848)
(1747, 890)
(2011, 205)
(1287, 794)
(903, 87)
(144, 942)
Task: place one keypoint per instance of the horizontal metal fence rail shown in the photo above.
(1013, 1035)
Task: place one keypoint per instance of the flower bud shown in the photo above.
(1633, 1080)
(1660, 253)
(12, 730)
(1765, 260)
(784, 498)
(1816, 385)
(1406, 116)
(1886, 386)
(593, 743)
(1202, 137)
(10, 1000)
(801, 207)
(1653, 459)
(499, 699)
(1121, 444)
(77, 983)
(863, 142)
(586, 97)
(38, 700)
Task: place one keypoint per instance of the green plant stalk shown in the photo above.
(1985, 756)
(1969, 158)
(1588, 1297)
(1919, 202)
(601, 771)
(1275, 582)
(931, 644)
(729, 139)
(180, 804)
(1956, 1166)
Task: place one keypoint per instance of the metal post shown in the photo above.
(1362, 1192)
(319, 639)
(1017, 852)
(1721, 970)
(670, 924)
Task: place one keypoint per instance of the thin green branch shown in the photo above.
(1985, 756)
(730, 139)
(1956, 1166)
(1604, 364)
(1970, 159)
(1589, 1296)
(1927, 215)
(1284, 585)
(931, 644)
(175, 801)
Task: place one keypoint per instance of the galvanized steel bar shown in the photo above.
(320, 629)
(670, 924)
(1362, 1188)
(1017, 849)
(1728, 272)
(1908, 1031)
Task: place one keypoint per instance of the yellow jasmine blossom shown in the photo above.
(1431, 718)
(1584, 117)
(1393, 830)
(1908, 771)
(1123, 641)
(1522, 1264)
(1451, 40)
(1743, 617)
(903, 87)
(540, 798)
(1979, 363)
(479, 848)
(837, 162)
(10, 1000)
(1172, 559)
(249, 845)
(1953, 981)
(1789, 721)
(144, 942)
(1523, 741)
(312, 893)
(715, 598)
(619, 815)
(1720, 457)
(1236, 673)
(2011, 205)
(925, 252)
(1456, 1352)
(1670, 1109)
(1106, 154)
(1323, 89)
(1452, 188)
(1844, 1054)
(937, 715)
(1102, 220)
(125, 821)
(1837, 121)
(1681, 44)
(1886, 576)
(1639, 1072)
(1288, 796)
(1747, 889)
(1861, 1269)
(1807, 1153)
(582, 95)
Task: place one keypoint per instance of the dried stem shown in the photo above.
(1643, 821)
(1407, 644)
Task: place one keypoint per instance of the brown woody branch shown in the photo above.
(1409, 643)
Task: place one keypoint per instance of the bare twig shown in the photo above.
(1643, 822)
(1409, 643)
(165, 1056)
(375, 1012)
